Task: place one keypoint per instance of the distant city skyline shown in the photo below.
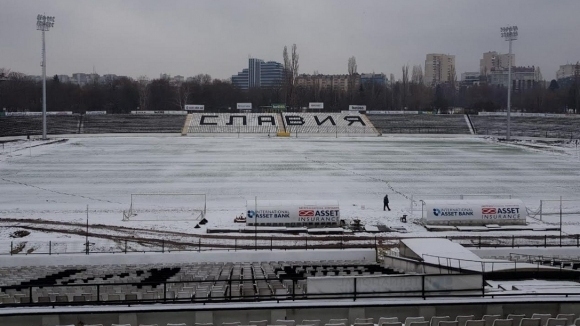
(135, 38)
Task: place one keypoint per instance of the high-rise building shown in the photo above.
(241, 80)
(377, 79)
(568, 74)
(567, 71)
(259, 74)
(470, 78)
(522, 77)
(494, 60)
(271, 74)
(439, 68)
(331, 82)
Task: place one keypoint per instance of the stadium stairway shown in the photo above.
(186, 125)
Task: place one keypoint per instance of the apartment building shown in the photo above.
(439, 68)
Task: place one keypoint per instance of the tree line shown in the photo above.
(20, 93)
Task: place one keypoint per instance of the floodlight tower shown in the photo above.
(44, 23)
(510, 34)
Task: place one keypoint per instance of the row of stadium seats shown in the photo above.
(202, 281)
(459, 320)
(527, 126)
(320, 123)
(420, 123)
(91, 124)
(411, 124)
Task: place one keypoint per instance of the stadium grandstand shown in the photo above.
(420, 123)
(286, 123)
(549, 127)
(414, 285)
(422, 282)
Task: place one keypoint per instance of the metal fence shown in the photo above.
(283, 242)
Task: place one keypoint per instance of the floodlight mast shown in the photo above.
(44, 23)
(510, 34)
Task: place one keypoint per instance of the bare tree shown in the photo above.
(351, 76)
(417, 75)
(405, 86)
(143, 92)
(291, 72)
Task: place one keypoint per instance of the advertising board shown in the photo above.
(488, 210)
(292, 212)
(316, 105)
(244, 106)
(160, 112)
(194, 107)
(95, 112)
(357, 107)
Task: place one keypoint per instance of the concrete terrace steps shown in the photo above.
(32, 125)
(131, 123)
(287, 122)
(420, 123)
(527, 126)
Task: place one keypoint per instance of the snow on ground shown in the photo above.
(57, 181)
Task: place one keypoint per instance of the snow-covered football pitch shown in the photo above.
(56, 181)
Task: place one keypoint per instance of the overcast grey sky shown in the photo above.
(186, 38)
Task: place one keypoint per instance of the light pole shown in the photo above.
(510, 34)
(44, 23)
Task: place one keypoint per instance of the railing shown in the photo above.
(423, 289)
(98, 244)
(492, 266)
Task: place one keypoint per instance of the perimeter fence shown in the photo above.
(269, 243)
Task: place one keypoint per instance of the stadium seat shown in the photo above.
(475, 323)
(235, 323)
(285, 322)
(503, 322)
(364, 321)
(410, 320)
(530, 322)
(388, 320)
(516, 318)
(338, 321)
(568, 317)
(419, 323)
(577, 322)
(449, 323)
(557, 322)
(182, 324)
(543, 317)
(258, 323)
(436, 319)
(313, 322)
(463, 319)
(489, 319)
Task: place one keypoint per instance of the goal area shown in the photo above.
(166, 207)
